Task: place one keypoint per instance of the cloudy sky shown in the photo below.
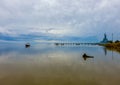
(60, 18)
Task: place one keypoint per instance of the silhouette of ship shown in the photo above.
(27, 45)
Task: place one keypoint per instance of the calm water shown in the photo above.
(47, 64)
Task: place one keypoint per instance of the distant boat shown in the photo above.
(27, 45)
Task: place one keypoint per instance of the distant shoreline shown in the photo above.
(112, 46)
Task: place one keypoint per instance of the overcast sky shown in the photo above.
(80, 18)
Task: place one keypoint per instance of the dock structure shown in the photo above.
(62, 44)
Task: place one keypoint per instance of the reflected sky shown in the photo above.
(48, 64)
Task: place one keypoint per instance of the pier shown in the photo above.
(76, 44)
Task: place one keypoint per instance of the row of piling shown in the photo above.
(75, 44)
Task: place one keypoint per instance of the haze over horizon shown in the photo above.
(38, 20)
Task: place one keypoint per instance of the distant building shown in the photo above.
(105, 40)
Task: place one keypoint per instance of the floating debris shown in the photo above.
(85, 56)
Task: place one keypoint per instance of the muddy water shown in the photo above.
(46, 64)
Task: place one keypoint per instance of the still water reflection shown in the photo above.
(47, 64)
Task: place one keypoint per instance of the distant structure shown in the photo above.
(105, 40)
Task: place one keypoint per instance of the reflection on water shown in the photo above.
(105, 51)
(46, 64)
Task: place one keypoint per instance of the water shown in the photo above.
(47, 64)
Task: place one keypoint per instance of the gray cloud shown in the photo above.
(65, 17)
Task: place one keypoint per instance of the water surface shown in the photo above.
(47, 64)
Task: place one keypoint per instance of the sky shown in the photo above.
(59, 19)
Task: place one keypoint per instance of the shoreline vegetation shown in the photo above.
(112, 46)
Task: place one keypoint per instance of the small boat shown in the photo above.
(85, 56)
(27, 45)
